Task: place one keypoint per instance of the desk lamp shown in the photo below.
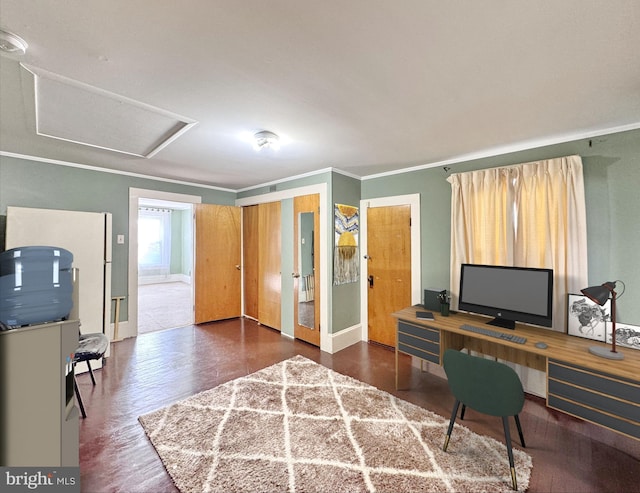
(600, 295)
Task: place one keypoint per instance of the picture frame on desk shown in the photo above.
(586, 318)
(626, 335)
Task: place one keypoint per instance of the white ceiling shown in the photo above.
(362, 86)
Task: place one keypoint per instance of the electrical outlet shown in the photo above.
(120, 239)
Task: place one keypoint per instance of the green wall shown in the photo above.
(346, 297)
(612, 181)
(181, 242)
(175, 266)
(187, 241)
(612, 188)
(287, 267)
(26, 183)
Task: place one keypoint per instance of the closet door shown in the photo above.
(217, 263)
(269, 275)
(250, 249)
(306, 295)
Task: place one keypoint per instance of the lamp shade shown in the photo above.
(599, 294)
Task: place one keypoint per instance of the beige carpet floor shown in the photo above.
(300, 427)
(164, 306)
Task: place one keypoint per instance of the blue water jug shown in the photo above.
(35, 285)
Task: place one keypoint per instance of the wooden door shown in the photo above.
(250, 249)
(269, 262)
(388, 269)
(306, 287)
(217, 263)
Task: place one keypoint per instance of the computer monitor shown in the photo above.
(510, 294)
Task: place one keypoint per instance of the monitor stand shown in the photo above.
(503, 322)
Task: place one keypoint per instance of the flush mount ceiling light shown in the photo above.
(266, 139)
(11, 43)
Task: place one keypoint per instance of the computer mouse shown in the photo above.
(541, 345)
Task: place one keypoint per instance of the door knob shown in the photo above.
(370, 279)
(238, 267)
(293, 274)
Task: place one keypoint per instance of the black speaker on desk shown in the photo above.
(431, 301)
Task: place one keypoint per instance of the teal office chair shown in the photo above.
(489, 387)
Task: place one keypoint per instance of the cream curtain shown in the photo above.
(527, 215)
(481, 217)
(551, 228)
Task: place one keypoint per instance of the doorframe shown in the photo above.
(412, 200)
(130, 329)
(321, 189)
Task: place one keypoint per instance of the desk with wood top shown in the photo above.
(602, 391)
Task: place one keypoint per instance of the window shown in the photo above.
(154, 242)
(527, 215)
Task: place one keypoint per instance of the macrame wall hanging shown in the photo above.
(346, 265)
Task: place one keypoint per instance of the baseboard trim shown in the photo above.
(345, 338)
(337, 342)
(159, 279)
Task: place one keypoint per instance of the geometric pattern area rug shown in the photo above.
(300, 427)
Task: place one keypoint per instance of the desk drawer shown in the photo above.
(421, 342)
(420, 331)
(596, 381)
(418, 353)
(596, 400)
(596, 396)
(612, 422)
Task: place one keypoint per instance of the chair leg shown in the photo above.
(451, 422)
(517, 418)
(507, 438)
(79, 397)
(91, 372)
(464, 408)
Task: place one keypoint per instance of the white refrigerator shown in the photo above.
(87, 235)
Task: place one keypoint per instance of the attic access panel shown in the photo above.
(69, 110)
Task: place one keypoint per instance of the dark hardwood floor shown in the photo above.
(156, 369)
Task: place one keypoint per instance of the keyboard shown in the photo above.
(494, 333)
